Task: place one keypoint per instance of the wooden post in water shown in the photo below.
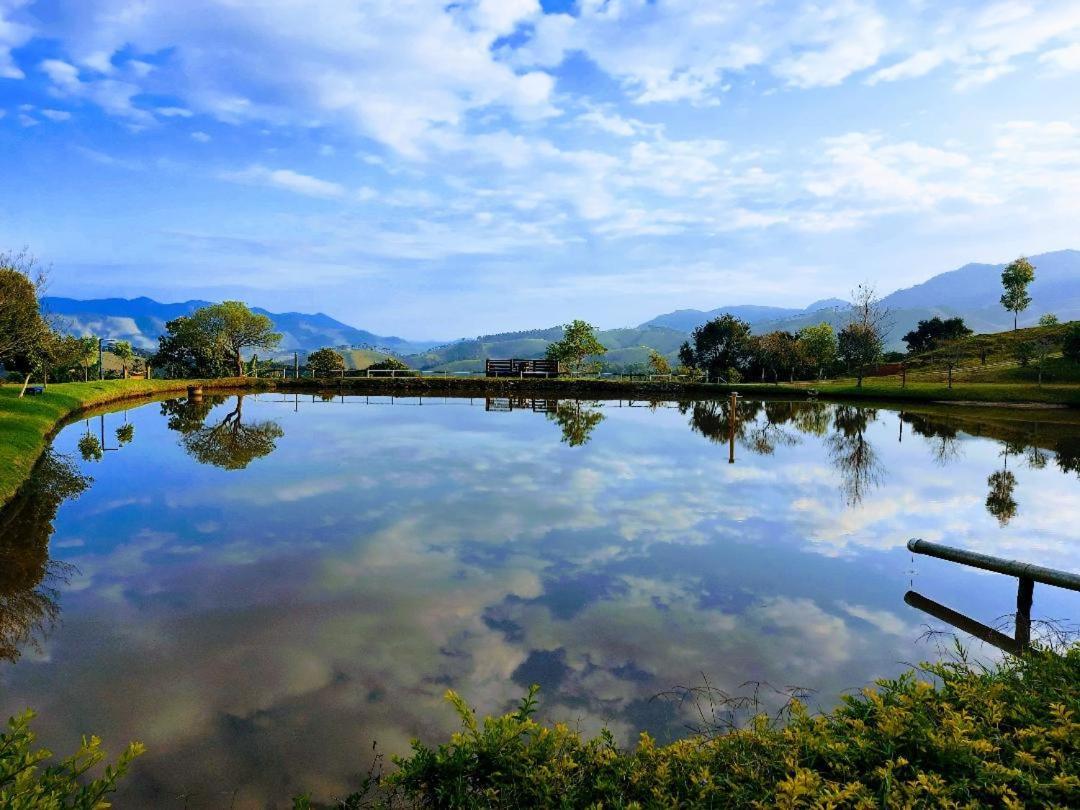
(731, 427)
(195, 393)
(1024, 594)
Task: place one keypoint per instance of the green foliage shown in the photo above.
(718, 345)
(953, 734)
(1025, 351)
(1049, 319)
(211, 341)
(935, 332)
(859, 346)
(658, 364)
(578, 342)
(389, 364)
(818, 346)
(29, 782)
(325, 362)
(1070, 346)
(1015, 278)
(90, 448)
(124, 353)
(577, 421)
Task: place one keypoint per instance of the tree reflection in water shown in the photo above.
(576, 420)
(28, 577)
(999, 500)
(852, 454)
(943, 436)
(230, 444)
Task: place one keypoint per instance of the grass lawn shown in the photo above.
(27, 423)
(1005, 392)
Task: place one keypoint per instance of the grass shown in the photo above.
(950, 734)
(921, 391)
(26, 424)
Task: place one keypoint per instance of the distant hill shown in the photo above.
(142, 321)
(626, 348)
(972, 292)
(686, 320)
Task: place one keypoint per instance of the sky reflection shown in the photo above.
(262, 586)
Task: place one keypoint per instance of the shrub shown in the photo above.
(1071, 345)
(952, 734)
(27, 783)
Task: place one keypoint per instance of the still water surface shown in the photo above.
(261, 587)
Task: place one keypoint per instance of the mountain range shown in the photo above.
(971, 291)
(142, 321)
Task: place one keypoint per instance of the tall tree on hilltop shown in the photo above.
(1015, 278)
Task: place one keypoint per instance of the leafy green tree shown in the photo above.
(818, 346)
(1049, 319)
(233, 328)
(389, 364)
(186, 350)
(718, 345)
(777, 351)
(658, 364)
(934, 332)
(1015, 278)
(1070, 346)
(88, 354)
(124, 353)
(26, 341)
(578, 343)
(325, 362)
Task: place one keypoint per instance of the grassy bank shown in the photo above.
(918, 391)
(26, 424)
(948, 735)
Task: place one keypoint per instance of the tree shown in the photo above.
(233, 328)
(818, 346)
(1015, 278)
(87, 354)
(932, 333)
(776, 351)
(862, 341)
(717, 346)
(1049, 319)
(389, 364)
(211, 341)
(852, 454)
(578, 342)
(325, 362)
(658, 364)
(1070, 346)
(186, 350)
(124, 353)
(25, 336)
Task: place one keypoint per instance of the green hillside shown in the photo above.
(626, 348)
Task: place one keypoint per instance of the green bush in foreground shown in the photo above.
(951, 734)
(27, 783)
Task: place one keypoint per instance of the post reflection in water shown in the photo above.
(268, 583)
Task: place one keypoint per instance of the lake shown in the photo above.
(262, 587)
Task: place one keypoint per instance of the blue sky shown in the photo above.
(439, 169)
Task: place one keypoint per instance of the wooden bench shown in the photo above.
(35, 390)
(521, 368)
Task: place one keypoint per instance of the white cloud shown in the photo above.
(201, 137)
(1065, 59)
(12, 35)
(56, 115)
(286, 180)
(392, 71)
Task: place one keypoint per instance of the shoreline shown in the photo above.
(27, 425)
